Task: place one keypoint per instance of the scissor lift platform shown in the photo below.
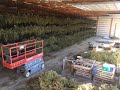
(22, 54)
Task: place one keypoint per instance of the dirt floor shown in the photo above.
(9, 80)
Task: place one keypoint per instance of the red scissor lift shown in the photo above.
(26, 56)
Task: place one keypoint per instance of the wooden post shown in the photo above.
(64, 61)
(118, 68)
(97, 24)
(110, 27)
(119, 81)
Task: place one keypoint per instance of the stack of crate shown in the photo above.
(104, 76)
(83, 67)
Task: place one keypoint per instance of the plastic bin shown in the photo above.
(108, 67)
(105, 67)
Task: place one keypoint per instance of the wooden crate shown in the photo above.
(80, 66)
(84, 73)
(83, 67)
(103, 76)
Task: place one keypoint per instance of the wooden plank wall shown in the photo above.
(115, 21)
(103, 26)
(106, 26)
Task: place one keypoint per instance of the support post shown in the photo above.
(64, 61)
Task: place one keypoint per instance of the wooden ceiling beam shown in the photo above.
(55, 7)
(30, 8)
(86, 1)
(74, 10)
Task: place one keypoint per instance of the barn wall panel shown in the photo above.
(103, 26)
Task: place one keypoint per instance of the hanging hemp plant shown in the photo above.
(68, 30)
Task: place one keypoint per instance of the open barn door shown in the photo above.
(117, 30)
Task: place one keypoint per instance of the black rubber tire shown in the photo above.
(27, 74)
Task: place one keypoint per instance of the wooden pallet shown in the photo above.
(83, 73)
(99, 80)
(103, 76)
(83, 67)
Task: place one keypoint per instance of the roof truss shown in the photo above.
(54, 7)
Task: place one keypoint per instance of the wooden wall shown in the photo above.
(115, 29)
(108, 26)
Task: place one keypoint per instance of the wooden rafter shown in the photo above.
(52, 8)
(88, 1)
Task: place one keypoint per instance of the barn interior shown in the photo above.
(68, 28)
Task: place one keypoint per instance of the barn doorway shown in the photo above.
(117, 30)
